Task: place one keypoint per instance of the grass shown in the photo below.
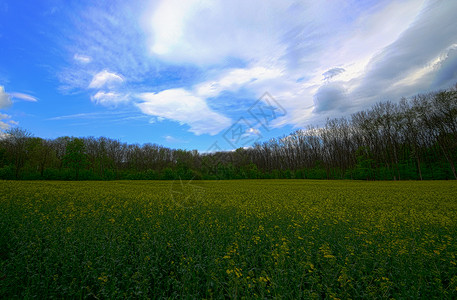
(228, 239)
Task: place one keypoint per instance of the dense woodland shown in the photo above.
(412, 139)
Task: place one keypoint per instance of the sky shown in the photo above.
(214, 75)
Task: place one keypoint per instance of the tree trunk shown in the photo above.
(419, 167)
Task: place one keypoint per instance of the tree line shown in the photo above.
(413, 139)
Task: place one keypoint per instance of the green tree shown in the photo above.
(16, 141)
(364, 165)
(75, 156)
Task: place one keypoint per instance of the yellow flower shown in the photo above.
(103, 278)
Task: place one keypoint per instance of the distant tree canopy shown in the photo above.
(75, 157)
(413, 139)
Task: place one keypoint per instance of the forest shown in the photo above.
(410, 139)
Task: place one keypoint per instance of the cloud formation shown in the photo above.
(5, 102)
(109, 98)
(208, 32)
(411, 64)
(332, 73)
(292, 44)
(105, 79)
(83, 59)
(329, 97)
(182, 106)
(24, 97)
(5, 99)
(316, 60)
(173, 140)
(234, 79)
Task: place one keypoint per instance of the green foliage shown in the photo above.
(7, 172)
(364, 167)
(3, 158)
(75, 157)
(168, 174)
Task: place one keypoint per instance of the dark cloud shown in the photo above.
(332, 73)
(433, 31)
(447, 74)
(330, 97)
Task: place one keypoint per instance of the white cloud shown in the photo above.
(252, 131)
(286, 46)
(155, 120)
(175, 19)
(182, 106)
(105, 78)
(369, 35)
(364, 50)
(207, 32)
(171, 139)
(24, 97)
(83, 59)
(234, 79)
(210, 32)
(5, 122)
(5, 99)
(76, 116)
(5, 102)
(109, 98)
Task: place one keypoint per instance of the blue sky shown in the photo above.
(214, 74)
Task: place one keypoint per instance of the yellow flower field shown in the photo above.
(228, 239)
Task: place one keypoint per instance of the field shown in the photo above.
(228, 239)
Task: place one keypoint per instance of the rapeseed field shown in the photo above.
(228, 239)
